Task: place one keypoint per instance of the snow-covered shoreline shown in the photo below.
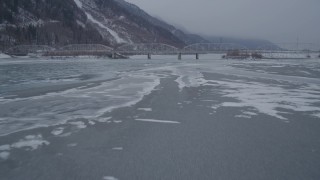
(4, 56)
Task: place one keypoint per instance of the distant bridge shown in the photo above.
(204, 48)
(147, 48)
(161, 49)
(82, 49)
(22, 50)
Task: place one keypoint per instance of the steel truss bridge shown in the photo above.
(81, 49)
(284, 50)
(29, 49)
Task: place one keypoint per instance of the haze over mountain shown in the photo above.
(275, 20)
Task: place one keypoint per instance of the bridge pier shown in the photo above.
(197, 56)
(149, 56)
(179, 56)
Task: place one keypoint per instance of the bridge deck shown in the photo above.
(147, 49)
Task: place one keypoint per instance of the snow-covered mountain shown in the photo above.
(109, 22)
(58, 22)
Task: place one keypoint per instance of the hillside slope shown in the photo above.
(109, 22)
(58, 22)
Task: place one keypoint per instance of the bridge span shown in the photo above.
(81, 49)
(162, 49)
(22, 50)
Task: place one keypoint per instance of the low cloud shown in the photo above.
(275, 20)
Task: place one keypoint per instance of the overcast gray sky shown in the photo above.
(275, 20)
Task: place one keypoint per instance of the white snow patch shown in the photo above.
(92, 123)
(158, 121)
(145, 109)
(72, 145)
(81, 24)
(148, 87)
(249, 113)
(246, 114)
(109, 178)
(305, 72)
(65, 134)
(215, 107)
(316, 115)
(32, 142)
(117, 121)
(113, 33)
(4, 155)
(78, 3)
(5, 147)
(268, 99)
(79, 124)
(4, 56)
(209, 100)
(243, 116)
(188, 102)
(187, 76)
(104, 120)
(57, 131)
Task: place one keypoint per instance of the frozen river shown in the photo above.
(159, 118)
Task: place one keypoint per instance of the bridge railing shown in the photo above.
(26, 49)
(212, 48)
(160, 49)
(147, 48)
(86, 47)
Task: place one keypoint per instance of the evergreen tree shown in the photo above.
(15, 6)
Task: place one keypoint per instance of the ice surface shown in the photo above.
(88, 103)
(137, 78)
(66, 134)
(316, 115)
(72, 145)
(187, 74)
